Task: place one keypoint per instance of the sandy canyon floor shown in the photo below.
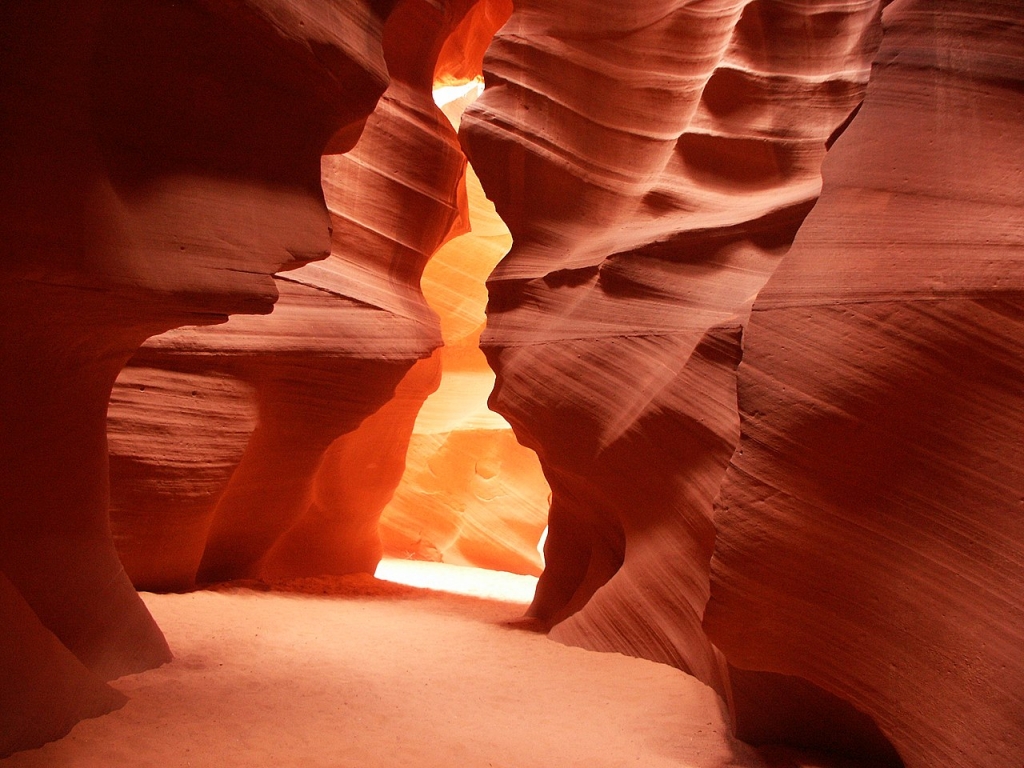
(362, 673)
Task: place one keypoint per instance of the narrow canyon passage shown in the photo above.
(470, 494)
(375, 674)
(742, 281)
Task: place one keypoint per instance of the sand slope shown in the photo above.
(375, 674)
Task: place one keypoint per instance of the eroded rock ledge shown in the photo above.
(283, 486)
(870, 528)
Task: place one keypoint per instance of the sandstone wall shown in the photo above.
(140, 189)
(653, 162)
(283, 492)
(654, 166)
(870, 529)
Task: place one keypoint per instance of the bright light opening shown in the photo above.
(453, 100)
(459, 580)
(471, 508)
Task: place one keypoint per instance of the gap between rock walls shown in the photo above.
(696, 323)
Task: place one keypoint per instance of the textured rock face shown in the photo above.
(870, 530)
(305, 494)
(42, 679)
(338, 532)
(653, 162)
(462, 56)
(142, 188)
(175, 439)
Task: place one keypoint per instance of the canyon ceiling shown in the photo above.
(762, 322)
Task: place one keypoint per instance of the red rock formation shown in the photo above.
(462, 56)
(44, 689)
(871, 535)
(175, 439)
(653, 162)
(342, 336)
(158, 162)
(338, 532)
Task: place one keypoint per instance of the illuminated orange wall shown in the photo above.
(470, 495)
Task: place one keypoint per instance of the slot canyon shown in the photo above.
(512, 383)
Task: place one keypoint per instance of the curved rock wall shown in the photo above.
(653, 162)
(140, 189)
(471, 494)
(462, 56)
(342, 336)
(871, 529)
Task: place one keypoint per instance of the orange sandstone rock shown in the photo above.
(342, 336)
(462, 56)
(870, 529)
(653, 162)
(471, 494)
(338, 532)
(159, 161)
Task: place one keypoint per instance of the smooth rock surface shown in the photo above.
(142, 189)
(653, 162)
(871, 527)
(343, 334)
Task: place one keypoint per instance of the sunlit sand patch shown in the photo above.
(459, 580)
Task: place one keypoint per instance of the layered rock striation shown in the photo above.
(286, 493)
(870, 528)
(867, 540)
(159, 162)
(653, 162)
